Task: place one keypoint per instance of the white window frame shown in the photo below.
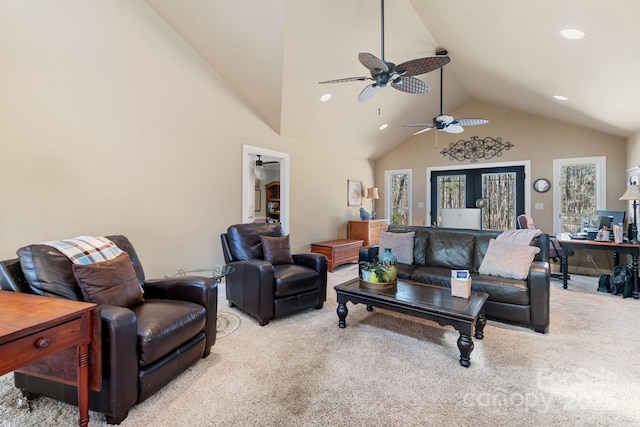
(601, 183)
(387, 192)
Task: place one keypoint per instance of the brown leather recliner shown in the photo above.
(143, 347)
(264, 290)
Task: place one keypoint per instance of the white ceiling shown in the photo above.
(274, 53)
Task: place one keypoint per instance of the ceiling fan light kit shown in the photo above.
(444, 122)
(399, 77)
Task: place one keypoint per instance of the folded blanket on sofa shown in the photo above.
(518, 237)
(86, 249)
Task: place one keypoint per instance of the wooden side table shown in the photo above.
(34, 327)
(367, 231)
(338, 252)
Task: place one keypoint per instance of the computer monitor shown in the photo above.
(597, 221)
(461, 218)
(618, 216)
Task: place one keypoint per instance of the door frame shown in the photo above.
(248, 183)
(527, 180)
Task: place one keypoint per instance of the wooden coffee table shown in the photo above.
(424, 301)
(338, 252)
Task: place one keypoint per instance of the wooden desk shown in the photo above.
(617, 249)
(338, 252)
(34, 327)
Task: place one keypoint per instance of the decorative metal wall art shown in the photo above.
(476, 148)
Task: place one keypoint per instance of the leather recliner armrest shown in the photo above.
(539, 283)
(119, 357)
(318, 263)
(368, 253)
(251, 287)
(196, 289)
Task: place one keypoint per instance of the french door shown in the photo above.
(499, 189)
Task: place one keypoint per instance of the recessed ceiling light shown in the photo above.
(572, 34)
(561, 98)
(325, 97)
(383, 126)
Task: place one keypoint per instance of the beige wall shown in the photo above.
(112, 124)
(534, 138)
(633, 150)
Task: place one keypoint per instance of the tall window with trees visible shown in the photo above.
(580, 192)
(398, 196)
(500, 190)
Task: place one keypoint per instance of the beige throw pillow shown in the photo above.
(508, 260)
(401, 245)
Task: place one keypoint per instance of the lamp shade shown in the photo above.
(372, 193)
(632, 193)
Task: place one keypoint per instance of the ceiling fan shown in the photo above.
(399, 76)
(444, 122)
(261, 163)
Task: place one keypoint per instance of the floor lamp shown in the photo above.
(372, 193)
(632, 193)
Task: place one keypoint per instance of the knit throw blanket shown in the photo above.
(518, 237)
(86, 249)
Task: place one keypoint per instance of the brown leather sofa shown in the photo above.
(520, 302)
(266, 291)
(143, 347)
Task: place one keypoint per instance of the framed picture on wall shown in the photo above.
(354, 193)
(258, 206)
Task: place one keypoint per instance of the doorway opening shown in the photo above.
(259, 202)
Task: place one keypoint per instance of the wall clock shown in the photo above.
(541, 185)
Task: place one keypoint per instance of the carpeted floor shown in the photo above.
(388, 369)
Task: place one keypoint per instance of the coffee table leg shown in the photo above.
(342, 314)
(369, 308)
(480, 324)
(465, 345)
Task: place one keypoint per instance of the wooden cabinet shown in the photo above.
(273, 200)
(368, 231)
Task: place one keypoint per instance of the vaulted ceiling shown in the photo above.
(273, 54)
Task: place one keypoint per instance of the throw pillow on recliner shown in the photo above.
(110, 282)
(277, 250)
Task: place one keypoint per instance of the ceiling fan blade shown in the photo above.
(422, 65)
(368, 92)
(423, 130)
(418, 125)
(372, 62)
(410, 85)
(453, 129)
(472, 122)
(348, 79)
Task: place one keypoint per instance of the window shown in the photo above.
(581, 190)
(502, 187)
(398, 196)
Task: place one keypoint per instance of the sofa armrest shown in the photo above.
(368, 253)
(119, 349)
(539, 283)
(195, 289)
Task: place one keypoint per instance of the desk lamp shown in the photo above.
(632, 193)
(372, 193)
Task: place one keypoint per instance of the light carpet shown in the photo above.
(388, 369)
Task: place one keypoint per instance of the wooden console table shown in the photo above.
(338, 252)
(632, 249)
(34, 327)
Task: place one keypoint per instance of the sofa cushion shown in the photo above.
(277, 250)
(501, 289)
(401, 244)
(163, 325)
(508, 260)
(109, 282)
(439, 276)
(244, 239)
(450, 250)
